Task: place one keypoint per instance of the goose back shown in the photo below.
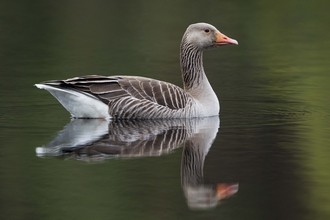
(129, 97)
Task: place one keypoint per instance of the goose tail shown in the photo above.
(78, 103)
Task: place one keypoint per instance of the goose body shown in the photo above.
(134, 97)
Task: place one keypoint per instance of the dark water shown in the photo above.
(269, 158)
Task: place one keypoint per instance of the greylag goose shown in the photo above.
(135, 97)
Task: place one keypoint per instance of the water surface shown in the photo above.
(272, 146)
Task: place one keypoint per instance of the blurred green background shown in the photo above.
(273, 88)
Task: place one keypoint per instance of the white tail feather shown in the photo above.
(79, 104)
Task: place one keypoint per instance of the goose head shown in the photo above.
(205, 36)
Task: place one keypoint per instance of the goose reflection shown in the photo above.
(201, 195)
(97, 140)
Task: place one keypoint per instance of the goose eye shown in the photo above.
(207, 30)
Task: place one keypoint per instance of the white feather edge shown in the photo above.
(79, 104)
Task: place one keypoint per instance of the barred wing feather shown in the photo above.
(131, 97)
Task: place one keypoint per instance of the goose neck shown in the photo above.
(191, 61)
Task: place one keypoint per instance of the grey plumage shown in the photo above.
(129, 97)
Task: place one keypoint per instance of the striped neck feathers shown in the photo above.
(191, 58)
